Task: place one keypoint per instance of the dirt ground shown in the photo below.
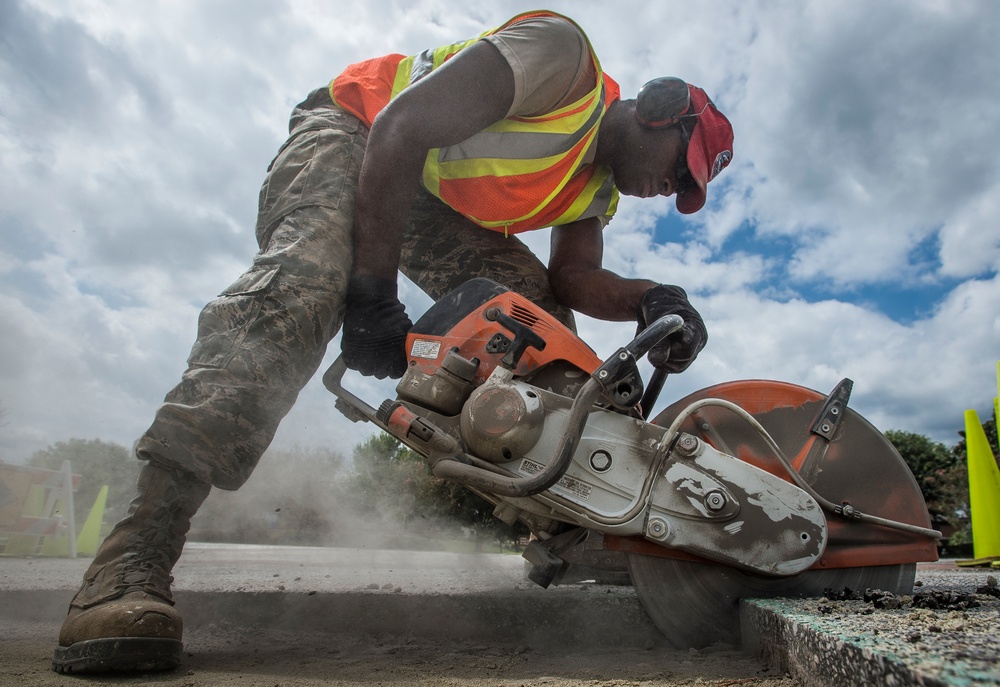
(224, 655)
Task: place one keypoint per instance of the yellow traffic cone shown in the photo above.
(984, 491)
(90, 535)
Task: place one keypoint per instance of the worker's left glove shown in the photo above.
(680, 349)
(375, 327)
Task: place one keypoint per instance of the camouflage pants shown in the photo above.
(265, 336)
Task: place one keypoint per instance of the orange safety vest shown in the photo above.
(519, 174)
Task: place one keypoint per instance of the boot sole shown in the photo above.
(118, 654)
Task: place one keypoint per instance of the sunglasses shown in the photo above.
(685, 182)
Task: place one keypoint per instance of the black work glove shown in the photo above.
(375, 327)
(680, 349)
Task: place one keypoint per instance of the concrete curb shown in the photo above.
(820, 656)
(823, 643)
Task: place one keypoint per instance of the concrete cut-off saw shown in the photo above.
(745, 489)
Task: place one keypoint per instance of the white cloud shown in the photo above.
(868, 124)
(970, 241)
(134, 136)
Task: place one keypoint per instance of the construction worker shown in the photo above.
(429, 165)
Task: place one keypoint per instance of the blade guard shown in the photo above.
(709, 504)
(855, 462)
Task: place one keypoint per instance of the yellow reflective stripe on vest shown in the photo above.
(602, 195)
(525, 145)
(526, 139)
(402, 79)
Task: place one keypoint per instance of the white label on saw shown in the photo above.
(425, 349)
(579, 489)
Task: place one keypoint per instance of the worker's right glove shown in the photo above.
(680, 349)
(375, 327)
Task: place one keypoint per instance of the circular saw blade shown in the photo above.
(697, 604)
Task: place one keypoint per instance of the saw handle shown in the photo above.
(355, 409)
(657, 331)
(619, 375)
(653, 388)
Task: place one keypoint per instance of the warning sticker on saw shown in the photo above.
(571, 485)
(422, 348)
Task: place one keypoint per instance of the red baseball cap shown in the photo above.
(709, 151)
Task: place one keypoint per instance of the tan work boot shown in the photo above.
(123, 618)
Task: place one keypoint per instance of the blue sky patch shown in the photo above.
(912, 297)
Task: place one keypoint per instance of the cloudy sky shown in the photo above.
(855, 234)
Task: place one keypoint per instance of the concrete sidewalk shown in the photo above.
(484, 598)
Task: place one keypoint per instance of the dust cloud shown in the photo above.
(315, 497)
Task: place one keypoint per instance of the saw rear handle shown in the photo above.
(617, 379)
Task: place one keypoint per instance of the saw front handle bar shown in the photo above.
(444, 453)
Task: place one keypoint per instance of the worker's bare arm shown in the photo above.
(580, 281)
(471, 91)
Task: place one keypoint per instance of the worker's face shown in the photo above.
(649, 166)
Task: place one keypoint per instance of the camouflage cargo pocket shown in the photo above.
(225, 321)
(314, 168)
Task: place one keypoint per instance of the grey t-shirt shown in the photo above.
(551, 63)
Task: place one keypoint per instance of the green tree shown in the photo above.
(943, 476)
(98, 463)
(935, 468)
